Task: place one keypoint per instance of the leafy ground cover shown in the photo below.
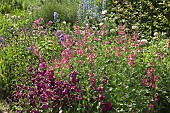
(91, 65)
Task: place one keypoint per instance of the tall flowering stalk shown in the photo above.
(56, 17)
(88, 8)
(104, 5)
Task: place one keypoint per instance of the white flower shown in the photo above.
(6, 15)
(30, 13)
(19, 17)
(61, 111)
(100, 24)
(104, 12)
(155, 34)
(13, 16)
(134, 27)
(143, 41)
(112, 30)
(164, 33)
(154, 38)
(64, 22)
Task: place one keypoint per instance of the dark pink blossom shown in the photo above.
(155, 78)
(151, 106)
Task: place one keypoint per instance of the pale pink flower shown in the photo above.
(127, 50)
(80, 51)
(150, 84)
(77, 30)
(107, 42)
(118, 54)
(64, 60)
(121, 32)
(131, 62)
(149, 73)
(103, 33)
(121, 27)
(76, 43)
(153, 86)
(96, 39)
(92, 56)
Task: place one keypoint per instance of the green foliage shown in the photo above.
(67, 10)
(99, 52)
(150, 16)
(7, 6)
(18, 35)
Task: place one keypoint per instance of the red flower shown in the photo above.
(109, 106)
(106, 107)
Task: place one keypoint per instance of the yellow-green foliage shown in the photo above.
(148, 15)
(67, 10)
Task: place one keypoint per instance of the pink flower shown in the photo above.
(155, 78)
(87, 32)
(80, 51)
(36, 51)
(145, 81)
(127, 50)
(131, 62)
(155, 97)
(43, 65)
(150, 84)
(160, 56)
(64, 60)
(118, 54)
(151, 106)
(121, 27)
(76, 43)
(77, 30)
(108, 51)
(92, 56)
(120, 40)
(150, 71)
(107, 42)
(121, 32)
(153, 86)
(120, 49)
(103, 33)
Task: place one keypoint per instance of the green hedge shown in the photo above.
(150, 16)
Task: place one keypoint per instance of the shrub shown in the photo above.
(67, 10)
(95, 72)
(150, 16)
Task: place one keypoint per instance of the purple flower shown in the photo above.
(101, 97)
(62, 38)
(100, 89)
(74, 73)
(43, 65)
(45, 105)
(29, 48)
(65, 91)
(74, 80)
(34, 111)
(59, 32)
(1, 39)
(56, 97)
